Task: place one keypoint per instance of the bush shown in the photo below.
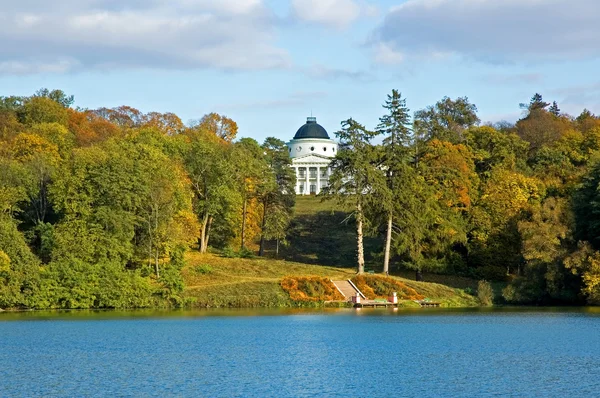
(203, 269)
(485, 293)
(228, 252)
(246, 253)
(374, 287)
(311, 288)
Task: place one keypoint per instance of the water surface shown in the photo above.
(366, 353)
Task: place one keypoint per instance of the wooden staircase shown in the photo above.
(347, 289)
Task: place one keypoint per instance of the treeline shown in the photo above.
(518, 203)
(97, 207)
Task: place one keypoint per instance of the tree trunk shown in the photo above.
(359, 239)
(261, 251)
(244, 224)
(388, 243)
(156, 263)
(277, 249)
(203, 233)
(156, 246)
(207, 238)
(418, 276)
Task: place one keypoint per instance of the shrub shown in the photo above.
(311, 288)
(203, 269)
(228, 252)
(485, 293)
(246, 253)
(374, 287)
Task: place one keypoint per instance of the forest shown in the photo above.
(98, 207)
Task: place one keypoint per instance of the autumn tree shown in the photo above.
(219, 125)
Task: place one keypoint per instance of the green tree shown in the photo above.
(397, 144)
(276, 192)
(208, 162)
(356, 177)
(446, 120)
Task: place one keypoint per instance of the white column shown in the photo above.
(307, 187)
(318, 180)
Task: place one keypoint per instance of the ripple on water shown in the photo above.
(342, 353)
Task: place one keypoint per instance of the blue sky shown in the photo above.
(268, 63)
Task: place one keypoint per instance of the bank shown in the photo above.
(215, 281)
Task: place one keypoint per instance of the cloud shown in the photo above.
(518, 78)
(324, 72)
(293, 100)
(338, 14)
(491, 30)
(111, 34)
(573, 99)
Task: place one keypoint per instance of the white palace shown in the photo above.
(311, 151)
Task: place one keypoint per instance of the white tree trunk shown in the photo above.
(359, 239)
(388, 242)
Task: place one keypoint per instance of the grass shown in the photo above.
(323, 233)
(322, 243)
(238, 282)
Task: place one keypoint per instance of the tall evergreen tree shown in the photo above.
(356, 178)
(398, 139)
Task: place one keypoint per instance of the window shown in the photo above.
(324, 149)
(313, 172)
(333, 149)
(324, 173)
(302, 172)
(312, 148)
(313, 189)
(299, 148)
(301, 188)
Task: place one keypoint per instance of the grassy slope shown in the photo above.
(235, 282)
(321, 243)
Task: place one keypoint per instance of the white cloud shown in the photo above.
(327, 73)
(492, 30)
(168, 34)
(293, 100)
(333, 13)
(385, 55)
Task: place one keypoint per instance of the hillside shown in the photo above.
(215, 281)
(321, 243)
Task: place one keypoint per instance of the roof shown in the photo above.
(311, 129)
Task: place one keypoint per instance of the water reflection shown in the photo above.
(264, 312)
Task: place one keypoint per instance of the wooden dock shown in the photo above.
(374, 304)
(427, 303)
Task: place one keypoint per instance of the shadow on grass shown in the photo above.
(326, 238)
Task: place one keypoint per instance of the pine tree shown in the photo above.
(554, 109)
(356, 177)
(395, 127)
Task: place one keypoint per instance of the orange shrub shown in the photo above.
(373, 287)
(311, 288)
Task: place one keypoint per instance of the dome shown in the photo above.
(311, 130)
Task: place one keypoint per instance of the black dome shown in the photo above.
(311, 130)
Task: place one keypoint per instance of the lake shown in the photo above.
(331, 353)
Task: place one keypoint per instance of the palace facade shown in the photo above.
(311, 151)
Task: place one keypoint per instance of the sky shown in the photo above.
(268, 64)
